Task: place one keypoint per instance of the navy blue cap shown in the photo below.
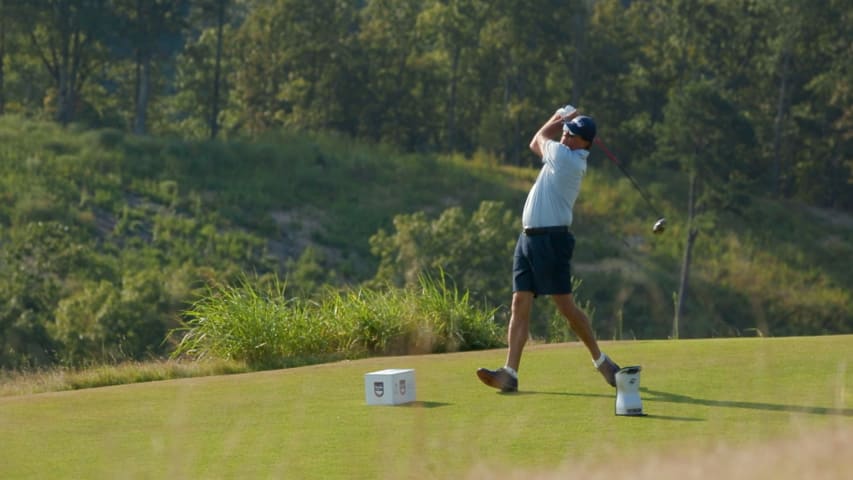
(581, 126)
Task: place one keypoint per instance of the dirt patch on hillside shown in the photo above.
(815, 455)
(833, 217)
(297, 229)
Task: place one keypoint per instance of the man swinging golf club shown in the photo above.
(543, 254)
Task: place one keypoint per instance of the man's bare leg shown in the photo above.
(582, 328)
(519, 327)
(579, 322)
(506, 378)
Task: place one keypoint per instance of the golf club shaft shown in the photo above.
(615, 160)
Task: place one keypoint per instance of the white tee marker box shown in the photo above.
(389, 387)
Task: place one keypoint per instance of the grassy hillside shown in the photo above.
(722, 398)
(107, 237)
(290, 189)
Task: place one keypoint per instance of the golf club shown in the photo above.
(660, 224)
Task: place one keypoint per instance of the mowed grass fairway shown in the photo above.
(313, 422)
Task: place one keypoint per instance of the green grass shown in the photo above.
(312, 422)
(58, 379)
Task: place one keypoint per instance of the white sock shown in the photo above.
(511, 371)
(600, 360)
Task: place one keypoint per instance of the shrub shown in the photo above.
(257, 324)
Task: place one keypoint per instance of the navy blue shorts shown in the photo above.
(542, 263)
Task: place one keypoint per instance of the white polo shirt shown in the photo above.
(553, 196)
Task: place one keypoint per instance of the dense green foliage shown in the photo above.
(450, 75)
(455, 244)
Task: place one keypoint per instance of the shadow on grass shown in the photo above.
(562, 394)
(669, 417)
(420, 404)
(613, 397)
(658, 396)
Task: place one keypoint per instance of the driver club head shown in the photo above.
(660, 226)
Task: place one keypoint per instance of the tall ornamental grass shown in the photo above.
(258, 324)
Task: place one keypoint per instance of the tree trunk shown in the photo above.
(65, 99)
(65, 91)
(2, 58)
(778, 122)
(451, 102)
(65, 61)
(578, 37)
(143, 83)
(688, 254)
(143, 62)
(214, 103)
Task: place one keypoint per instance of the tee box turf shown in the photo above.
(390, 387)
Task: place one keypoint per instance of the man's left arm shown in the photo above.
(548, 131)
